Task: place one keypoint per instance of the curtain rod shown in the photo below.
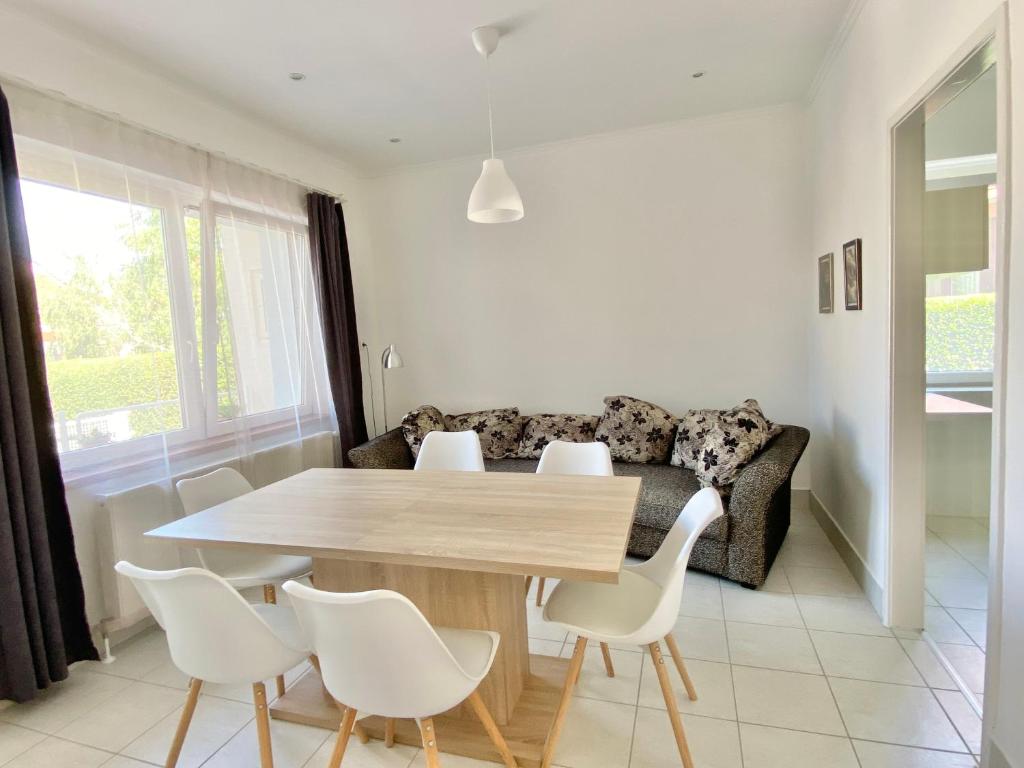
(20, 83)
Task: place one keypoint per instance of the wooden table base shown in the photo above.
(305, 702)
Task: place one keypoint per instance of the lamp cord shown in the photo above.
(490, 111)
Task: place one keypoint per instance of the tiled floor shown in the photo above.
(957, 593)
(800, 674)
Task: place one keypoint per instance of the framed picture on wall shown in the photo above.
(851, 268)
(825, 290)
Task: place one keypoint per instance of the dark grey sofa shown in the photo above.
(740, 546)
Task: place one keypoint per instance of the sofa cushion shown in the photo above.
(690, 434)
(636, 431)
(499, 429)
(541, 428)
(664, 491)
(418, 422)
(729, 445)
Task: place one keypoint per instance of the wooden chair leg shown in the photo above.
(348, 719)
(259, 695)
(691, 692)
(670, 704)
(607, 660)
(540, 590)
(529, 581)
(429, 743)
(356, 728)
(183, 724)
(270, 596)
(575, 664)
(389, 732)
(492, 729)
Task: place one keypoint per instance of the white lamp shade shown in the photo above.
(494, 199)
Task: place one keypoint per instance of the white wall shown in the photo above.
(667, 263)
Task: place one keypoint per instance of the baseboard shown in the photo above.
(995, 758)
(800, 496)
(874, 591)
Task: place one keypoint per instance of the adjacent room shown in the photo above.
(542, 384)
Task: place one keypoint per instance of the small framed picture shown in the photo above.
(825, 291)
(851, 267)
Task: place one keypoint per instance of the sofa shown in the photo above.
(740, 546)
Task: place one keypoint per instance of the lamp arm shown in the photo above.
(369, 375)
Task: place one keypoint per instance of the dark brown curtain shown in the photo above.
(333, 275)
(42, 607)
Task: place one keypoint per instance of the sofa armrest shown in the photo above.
(387, 451)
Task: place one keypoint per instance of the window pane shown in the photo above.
(257, 326)
(101, 279)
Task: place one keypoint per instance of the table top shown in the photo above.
(562, 526)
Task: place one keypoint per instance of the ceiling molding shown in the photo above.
(846, 26)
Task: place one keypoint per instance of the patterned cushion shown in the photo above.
(738, 437)
(417, 423)
(690, 434)
(500, 430)
(541, 428)
(635, 431)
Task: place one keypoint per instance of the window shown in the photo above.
(171, 316)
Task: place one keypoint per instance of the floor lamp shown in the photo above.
(389, 359)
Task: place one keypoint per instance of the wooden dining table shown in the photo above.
(457, 544)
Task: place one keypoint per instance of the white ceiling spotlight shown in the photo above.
(494, 199)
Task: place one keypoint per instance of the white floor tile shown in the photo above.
(120, 761)
(973, 622)
(760, 645)
(969, 663)
(875, 755)
(815, 555)
(214, 723)
(137, 656)
(862, 657)
(66, 701)
(841, 614)
(597, 734)
(896, 714)
(713, 743)
(928, 664)
(539, 629)
(834, 582)
(292, 746)
(712, 681)
(375, 755)
(959, 593)
(755, 607)
(53, 752)
(942, 627)
(964, 718)
(701, 639)
(776, 580)
(765, 747)
(786, 700)
(594, 682)
(14, 740)
(700, 600)
(545, 647)
(118, 721)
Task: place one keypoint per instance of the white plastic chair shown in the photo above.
(562, 458)
(641, 609)
(451, 450)
(239, 568)
(380, 656)
(215, 636)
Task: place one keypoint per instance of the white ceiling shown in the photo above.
(382, 68)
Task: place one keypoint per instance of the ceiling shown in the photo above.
(406, 68)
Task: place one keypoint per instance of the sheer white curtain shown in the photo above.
(176, 293)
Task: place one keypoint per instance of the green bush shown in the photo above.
(960, 332)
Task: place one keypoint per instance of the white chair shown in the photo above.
(240, 569)
(562, 458)
(380, 656)
(451, 450)
(641, 609)
(215, 636)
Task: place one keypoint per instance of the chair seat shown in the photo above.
(473, 649)
(605, 612)
(285, 624)
(271, 569)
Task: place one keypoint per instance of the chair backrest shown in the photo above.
(562, 458)
(212, 632)
(205, 491)
(379, 654)
(451, 450)
(667, 567)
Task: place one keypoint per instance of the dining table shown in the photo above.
(459, 545)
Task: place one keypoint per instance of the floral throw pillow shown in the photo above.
(541, 428)
(500, 430)
(690, 434)
(635, 430)
(729, 445)
(417, 423)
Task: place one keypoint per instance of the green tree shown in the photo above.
(76, 315)
(141, 290)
